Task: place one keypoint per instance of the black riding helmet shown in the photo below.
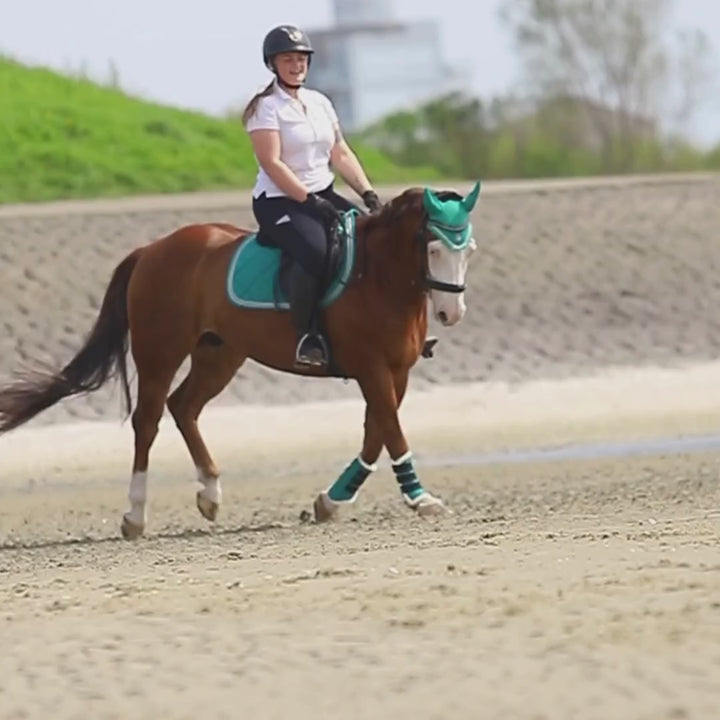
(285, 38)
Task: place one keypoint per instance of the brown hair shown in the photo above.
(252, 105)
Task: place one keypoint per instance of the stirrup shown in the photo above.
(317, 356)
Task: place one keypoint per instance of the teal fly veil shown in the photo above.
(449, 220)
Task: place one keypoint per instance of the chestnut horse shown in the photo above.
(169, 299)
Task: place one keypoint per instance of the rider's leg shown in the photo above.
(301, 236)
(309, 252)
(312, 347)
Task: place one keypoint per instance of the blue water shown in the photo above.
(580, 451)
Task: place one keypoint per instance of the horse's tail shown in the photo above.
(102, 357)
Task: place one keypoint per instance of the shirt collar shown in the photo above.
(286, 96)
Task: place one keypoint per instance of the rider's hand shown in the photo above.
(372, 201)
(324, 207)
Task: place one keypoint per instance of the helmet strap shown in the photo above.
(282, 83)
(271, 66)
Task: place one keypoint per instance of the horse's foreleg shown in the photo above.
(384, 394)
(344, 490)
(383, 401)
(212, 369)
(413, 492)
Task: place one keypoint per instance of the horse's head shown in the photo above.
(430, 234)
(446, 233)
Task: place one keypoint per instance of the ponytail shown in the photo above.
(252, 105)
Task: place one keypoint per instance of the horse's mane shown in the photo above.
(394, 210)
(390, 242)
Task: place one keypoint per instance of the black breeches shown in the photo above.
(296, 229)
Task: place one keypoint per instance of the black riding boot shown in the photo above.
(311, 349)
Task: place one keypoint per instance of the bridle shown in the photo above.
(429, 281)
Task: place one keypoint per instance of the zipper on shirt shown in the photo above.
(307, 117)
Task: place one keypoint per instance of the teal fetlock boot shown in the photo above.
(344, 490)
(414, 494)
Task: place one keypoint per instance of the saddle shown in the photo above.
(258, 273)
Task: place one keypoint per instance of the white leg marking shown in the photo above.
(137, 495)
(211, 490)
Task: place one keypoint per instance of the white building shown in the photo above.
(372, 65)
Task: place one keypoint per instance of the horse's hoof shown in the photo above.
(208, 508)
(325, 509)
(435, 507)
(427, 505)
(129, 530)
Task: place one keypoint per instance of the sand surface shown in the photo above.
(585, 589)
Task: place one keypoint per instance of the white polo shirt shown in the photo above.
(307, 135)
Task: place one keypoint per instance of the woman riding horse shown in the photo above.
(168, 300)
(296, 135)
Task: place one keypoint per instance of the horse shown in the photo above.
(202, 291)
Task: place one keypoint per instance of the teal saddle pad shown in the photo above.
(252, 279)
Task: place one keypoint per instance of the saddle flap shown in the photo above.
(257, 272)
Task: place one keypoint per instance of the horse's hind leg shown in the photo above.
(213, 366)
(153, 387)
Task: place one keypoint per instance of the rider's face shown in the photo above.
(292, 67)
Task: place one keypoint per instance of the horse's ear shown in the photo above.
(472, 198)
(431, 202)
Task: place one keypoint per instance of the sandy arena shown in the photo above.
(557, 588)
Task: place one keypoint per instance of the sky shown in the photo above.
(207, 55)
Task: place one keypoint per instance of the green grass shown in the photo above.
(63, 137)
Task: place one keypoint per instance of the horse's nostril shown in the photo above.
(443, 316)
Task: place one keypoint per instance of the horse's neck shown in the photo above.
(392, 270)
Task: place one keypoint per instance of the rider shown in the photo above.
(296, 135)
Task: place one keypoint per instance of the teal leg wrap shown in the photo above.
(350, 481)
(407, 477)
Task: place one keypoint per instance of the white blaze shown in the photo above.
(448, 266)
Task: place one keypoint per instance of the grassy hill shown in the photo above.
(64, 137)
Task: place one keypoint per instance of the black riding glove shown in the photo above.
(372, 201)
(324, 207)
